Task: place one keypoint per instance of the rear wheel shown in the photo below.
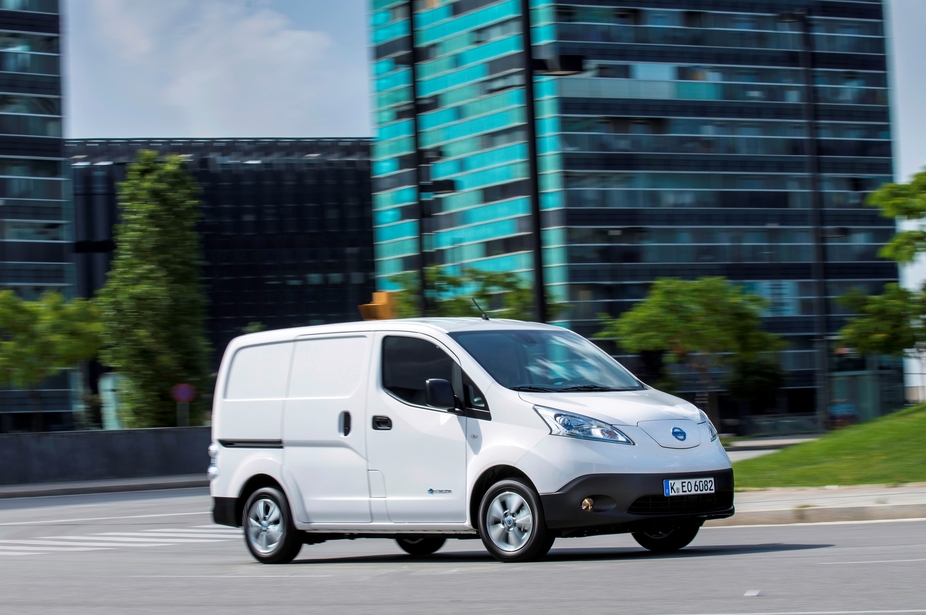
(420, 547)
(511, 522)
(667, 539)
(269, 532)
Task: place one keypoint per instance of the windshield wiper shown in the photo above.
(590, 387)
(532, 389)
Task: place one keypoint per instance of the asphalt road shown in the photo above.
(157, 552)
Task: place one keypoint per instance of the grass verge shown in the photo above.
(888, 450)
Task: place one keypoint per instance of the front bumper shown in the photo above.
(628, 502)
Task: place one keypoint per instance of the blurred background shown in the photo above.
(700, 190)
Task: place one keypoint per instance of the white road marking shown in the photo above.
(36, 545)
(205, 512)
(179, 534)
(891, 612)
(870, 521)
(230, 576)
(752, 593)
(211, 532)
(146, 537)
(19, 553)
(881, 561)
(121, 542)
(12, 548)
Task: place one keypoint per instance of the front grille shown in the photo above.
(682, 504)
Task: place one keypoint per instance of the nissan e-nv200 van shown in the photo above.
(422, 430)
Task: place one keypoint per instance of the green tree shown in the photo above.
(153, 304)
(705, 324)
(39, 339)
(755, 381)
(893, 323)
(903, 202)
(500, 294)
(888, 324)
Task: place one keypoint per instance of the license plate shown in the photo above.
(688, 486)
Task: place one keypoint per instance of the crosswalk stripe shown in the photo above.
(14, 549)
(12, 553)
(166, 539)
(187, 535)
(160, 537)
(119, 541)
(37, 545)
(191, 531)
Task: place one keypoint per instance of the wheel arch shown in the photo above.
(488, 478)
(258, 481)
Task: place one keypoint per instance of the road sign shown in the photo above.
(183, 393)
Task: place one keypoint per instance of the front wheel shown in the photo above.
(511, 522)
(269, 532)
(668, 539)
(420, 547)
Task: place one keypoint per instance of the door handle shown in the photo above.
(344, 423)
(382, 423)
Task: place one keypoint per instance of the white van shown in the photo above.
(426, 429)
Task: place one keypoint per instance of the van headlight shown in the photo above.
(578, 426)
(710, 425)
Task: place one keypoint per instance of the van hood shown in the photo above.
(618, 407)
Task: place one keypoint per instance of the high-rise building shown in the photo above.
(286, 229)
(34, 207)
(683, 138)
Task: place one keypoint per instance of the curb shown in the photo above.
(103, 486)
(822, 514)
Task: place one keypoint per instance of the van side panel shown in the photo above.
(254, 390)
(324, 428)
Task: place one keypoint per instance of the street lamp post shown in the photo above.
(816, 216)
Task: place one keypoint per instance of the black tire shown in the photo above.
(667, 540)
(517, 545)
(270, 534)
(421, 546)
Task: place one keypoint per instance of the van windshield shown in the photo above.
(545, 361)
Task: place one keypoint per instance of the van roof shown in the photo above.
(422, 325)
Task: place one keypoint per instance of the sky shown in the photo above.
(215, 68)
(298, 68)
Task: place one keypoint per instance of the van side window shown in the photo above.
(473, 397)
(408, 363)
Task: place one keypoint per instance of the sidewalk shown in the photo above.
(812, 505)
(767, 443)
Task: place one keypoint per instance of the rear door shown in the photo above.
(419, 451)
(323, 436)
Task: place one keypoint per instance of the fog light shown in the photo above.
(212, 472)
(588, 504)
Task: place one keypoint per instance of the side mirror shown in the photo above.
(440, 394)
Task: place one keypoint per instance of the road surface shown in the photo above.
(157, 552)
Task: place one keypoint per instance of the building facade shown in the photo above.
(34, 206)
(733, 138)
(286, 228)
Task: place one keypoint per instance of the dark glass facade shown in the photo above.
(286, 228)
(682, 148)
(35, 231)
